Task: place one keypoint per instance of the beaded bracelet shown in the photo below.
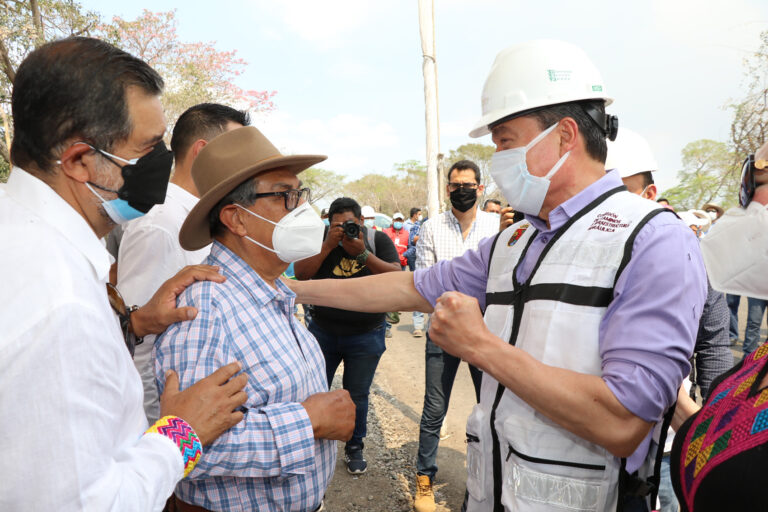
(181, 433)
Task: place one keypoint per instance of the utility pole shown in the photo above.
(429, 68)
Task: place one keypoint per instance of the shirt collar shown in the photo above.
(34, 194)
(234, 267)
(183, 197)
(453, 218)
(567, 209)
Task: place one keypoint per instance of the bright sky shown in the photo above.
(348, 72)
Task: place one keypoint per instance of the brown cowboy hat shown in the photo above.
(710, 206)
(224, 163)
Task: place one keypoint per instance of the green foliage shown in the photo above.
(325, 184)
(5, 170)
(480, 154)
(390, 194)
(709, 175)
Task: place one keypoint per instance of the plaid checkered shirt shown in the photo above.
(440, 237)
(270, 461)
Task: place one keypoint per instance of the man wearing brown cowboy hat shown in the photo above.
(253, 209)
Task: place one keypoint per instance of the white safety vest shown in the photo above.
(555, 317)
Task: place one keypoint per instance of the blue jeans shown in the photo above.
(755, 313)
(667, 496)
(733, 302)
(440, 373)
(361, 354)
(418, 320)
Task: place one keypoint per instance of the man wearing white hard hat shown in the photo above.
(631, 155)
(582, 352)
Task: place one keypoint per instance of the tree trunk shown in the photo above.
(37, 21)
(429, 69)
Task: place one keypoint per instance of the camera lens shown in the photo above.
(351, 229)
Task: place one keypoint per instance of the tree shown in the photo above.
(372, 189)
(708, 176)
(25, 25)
(324, 184)
(193, 72)
(480, 154)
(750, 116)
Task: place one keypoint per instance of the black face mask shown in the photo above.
(463, 199)
(145, 182)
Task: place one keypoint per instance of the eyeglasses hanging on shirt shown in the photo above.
(124, 315)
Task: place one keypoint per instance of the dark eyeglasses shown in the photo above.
(124, 314)
(466, 186)
(747, 182)
(291, 197)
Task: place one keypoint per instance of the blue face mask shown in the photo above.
(327, 222)
(397, 225)
(368, 223)
(118, 209)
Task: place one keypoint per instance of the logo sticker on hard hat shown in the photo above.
(517, 234)
(559, 75)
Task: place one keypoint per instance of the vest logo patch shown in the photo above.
(517, 234)
(608, 222)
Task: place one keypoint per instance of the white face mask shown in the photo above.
(523, 191)
(736, 252)
(298, 235)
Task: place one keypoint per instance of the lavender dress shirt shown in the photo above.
(647, 335)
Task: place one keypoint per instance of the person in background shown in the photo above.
(324, 216)
(258, 218)
(413, 238)
(369, 217)
(492, 206)
(413, 218)
(149, 252)
(355, 338)
(442, 238)
(665, 203)
(399, 236)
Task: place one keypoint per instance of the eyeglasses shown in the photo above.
(465, 186)
(124, 314)
(292, 197)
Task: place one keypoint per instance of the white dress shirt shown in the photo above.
(149, 255)
(71, 411)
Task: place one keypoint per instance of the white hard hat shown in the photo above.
(630, 154)
(398, 215)
(367, 212)
(537, 74)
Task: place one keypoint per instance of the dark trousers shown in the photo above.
(361, 354)
(733, 302)
(440, 374)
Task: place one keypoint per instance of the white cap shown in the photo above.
(367, 212)
(398, 215)
(630, 154)
(537, 74)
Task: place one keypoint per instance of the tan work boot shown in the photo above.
(425, 497)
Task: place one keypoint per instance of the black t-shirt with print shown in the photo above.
(340, 265)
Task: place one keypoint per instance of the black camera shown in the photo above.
(351, 229)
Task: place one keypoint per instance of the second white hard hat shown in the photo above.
(537, 74)
(630, 154)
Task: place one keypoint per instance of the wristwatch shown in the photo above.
(363, 256)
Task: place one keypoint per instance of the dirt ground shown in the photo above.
(394, 412)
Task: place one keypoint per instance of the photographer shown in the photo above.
(350, 250)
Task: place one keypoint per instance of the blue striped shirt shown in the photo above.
(270, 461)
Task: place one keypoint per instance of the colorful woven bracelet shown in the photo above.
(179, 431)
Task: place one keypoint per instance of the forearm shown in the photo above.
(391, 291)
(685, 408)
(306, 268)
(582, 404)
(379, 266)
(281, 442)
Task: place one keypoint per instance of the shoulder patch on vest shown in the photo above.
(608, 222)
(517, 234)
